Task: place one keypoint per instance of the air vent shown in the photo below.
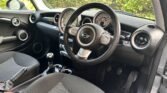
(146, 39)
(22, 35)
(16, 22)
(56, 18)
(142, 40)
(32, 18)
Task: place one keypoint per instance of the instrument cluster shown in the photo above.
(101, 18)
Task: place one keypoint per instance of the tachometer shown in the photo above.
(103, 19)
(64, 17)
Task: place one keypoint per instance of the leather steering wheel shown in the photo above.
(91, 35)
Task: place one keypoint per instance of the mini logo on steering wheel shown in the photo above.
(85, 35)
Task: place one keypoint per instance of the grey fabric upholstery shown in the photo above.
(12, 62)
(61, 83)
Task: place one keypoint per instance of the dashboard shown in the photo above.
(137, 35)
(101, 18)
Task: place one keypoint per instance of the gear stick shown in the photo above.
(50, 58)
(52, 68)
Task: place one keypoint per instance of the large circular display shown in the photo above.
(103, 19)
(64, 17)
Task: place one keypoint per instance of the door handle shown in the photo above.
(5, 19)
(7, 39)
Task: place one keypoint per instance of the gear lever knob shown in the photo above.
(50, 58)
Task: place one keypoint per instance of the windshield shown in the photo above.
(139, 8)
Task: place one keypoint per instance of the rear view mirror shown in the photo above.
(14, 5)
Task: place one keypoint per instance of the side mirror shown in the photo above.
(15, 5)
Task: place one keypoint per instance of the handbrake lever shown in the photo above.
(10, 83)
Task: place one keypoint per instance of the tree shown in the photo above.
(27, 3)
(141, 8)
(3, 4)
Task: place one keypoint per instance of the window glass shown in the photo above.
(28, 5)
(138, 8)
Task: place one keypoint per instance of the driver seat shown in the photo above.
(61, 83)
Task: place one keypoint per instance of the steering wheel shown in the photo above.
(90, 36)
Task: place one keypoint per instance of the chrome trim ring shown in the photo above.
(82, 29)
(133, 40)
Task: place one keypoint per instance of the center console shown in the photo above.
(55, 68)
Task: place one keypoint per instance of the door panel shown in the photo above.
(37, 43)
(7, 30)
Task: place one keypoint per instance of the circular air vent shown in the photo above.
(56, 18)
(33, 18)
(146, 39)
(16, 22)
(22, 35)
(140, 40)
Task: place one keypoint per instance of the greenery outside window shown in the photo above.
(28, 4)
(139, 8)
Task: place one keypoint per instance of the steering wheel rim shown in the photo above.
(113, 44)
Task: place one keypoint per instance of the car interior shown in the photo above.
(89, 49)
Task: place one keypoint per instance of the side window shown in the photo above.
(28, 4)
(16, 5)
(3, 4)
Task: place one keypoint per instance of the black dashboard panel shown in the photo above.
(124, 52)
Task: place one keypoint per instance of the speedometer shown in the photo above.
(103, 19)
(64, 17)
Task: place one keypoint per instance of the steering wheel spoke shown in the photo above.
(106, 38)
(73, 31)
(84, 53)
